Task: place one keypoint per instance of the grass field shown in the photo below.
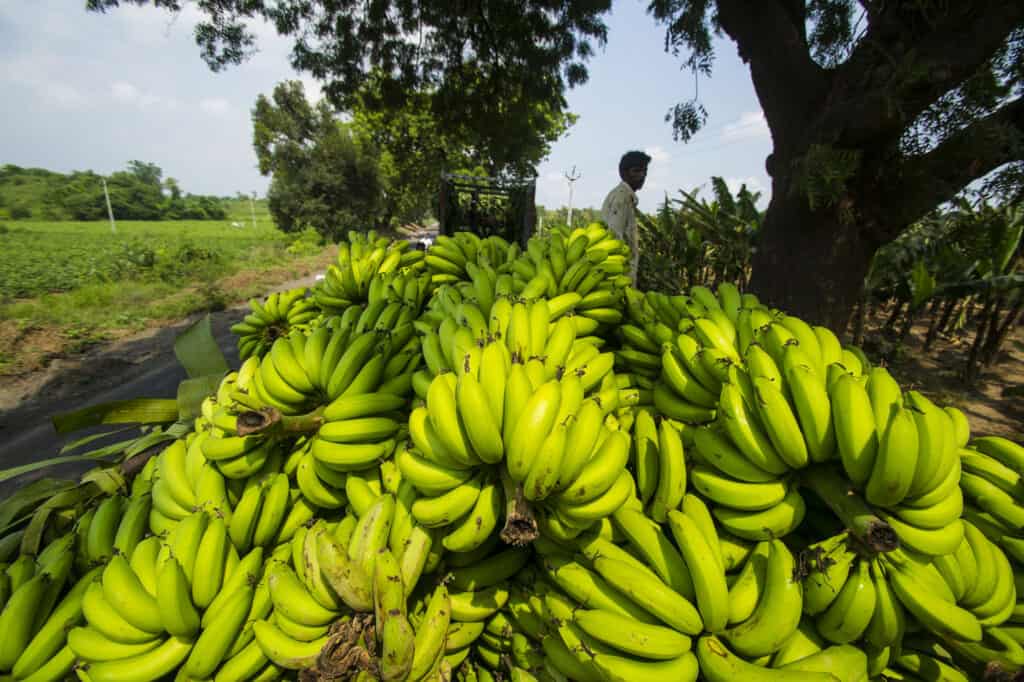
(79, 282)
(45, 257)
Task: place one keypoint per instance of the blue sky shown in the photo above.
(86, 91)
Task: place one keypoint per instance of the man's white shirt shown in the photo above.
(619, 212)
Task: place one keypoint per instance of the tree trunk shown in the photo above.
(858, 321)
(908, 324)
(995, 343)
(890, 325)
(954, 313)
(809, 263)
(938, 322)
(973, 359)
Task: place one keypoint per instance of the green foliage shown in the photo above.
(135, 194)
(823, 174)
(58, 257)
(951, 253)
(322, 176)
(416, 146)
(560, 216)
(306, 243)
(691, 241)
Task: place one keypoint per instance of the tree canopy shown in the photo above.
(322, 177)
(480, 67)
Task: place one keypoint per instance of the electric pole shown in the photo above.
(572, 176)
(252, 210)
(110, 211)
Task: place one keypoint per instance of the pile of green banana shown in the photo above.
(272, 319)
(453, 259)
(494, 463)
(361, 260)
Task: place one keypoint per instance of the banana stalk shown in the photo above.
(520, 523)
(834, 490)
(270, 420)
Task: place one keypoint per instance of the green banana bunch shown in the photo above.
(273, 318)
(449, 258)
(363, 260)
(592, 483)
(588, 261)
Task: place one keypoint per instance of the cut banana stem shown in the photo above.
(835, 491)
(520, 523)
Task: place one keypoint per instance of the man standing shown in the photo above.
(619, 208)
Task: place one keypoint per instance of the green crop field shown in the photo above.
(46, 257)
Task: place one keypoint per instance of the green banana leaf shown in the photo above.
(97, 456)
(922, 284)
(13, 509)
(192, 392)
(198, 352)
(32, 539)
(134, 411)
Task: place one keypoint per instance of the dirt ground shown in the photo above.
(993, 405)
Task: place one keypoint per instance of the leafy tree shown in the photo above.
(172, 188)
(416, 147)
(321, 176)
(146, 173)
(135, 194)
(879, 111)
(560, 216)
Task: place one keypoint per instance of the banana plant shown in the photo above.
(955, 261)
(690, 240)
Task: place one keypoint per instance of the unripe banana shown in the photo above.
(173, 596)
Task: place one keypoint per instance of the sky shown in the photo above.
(91, 91)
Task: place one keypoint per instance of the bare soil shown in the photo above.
(993, 404)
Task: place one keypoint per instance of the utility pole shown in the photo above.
(572, 176)
(110, 211)
(252, 210)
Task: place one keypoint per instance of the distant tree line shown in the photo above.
(140, 192)
(551, 217)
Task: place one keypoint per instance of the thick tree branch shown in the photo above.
(907, 61)
(785, 77)
(924, 182)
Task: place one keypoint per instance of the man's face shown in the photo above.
(634, 177)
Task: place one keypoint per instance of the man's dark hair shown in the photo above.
(633, 159)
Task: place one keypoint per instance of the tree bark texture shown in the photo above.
(809, 263)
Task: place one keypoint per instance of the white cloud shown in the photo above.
(753, 184)
(749, 125)
(124, 92)
(658, 155)
(127, 93)
(216, 106)
(33, 73)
